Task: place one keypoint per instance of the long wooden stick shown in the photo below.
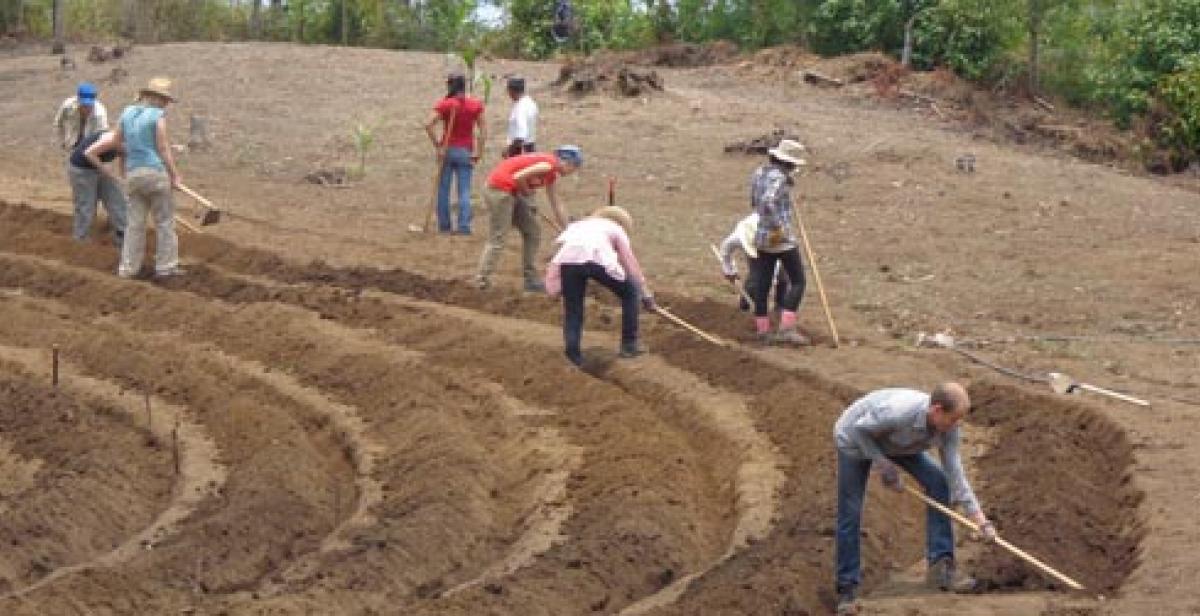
(736, 287)
(441, 162)
(663, 312)
(1019, 553)
(812, 262)
(187, 225)
(549, 221)
(195, 195)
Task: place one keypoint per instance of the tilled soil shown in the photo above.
(395, 442)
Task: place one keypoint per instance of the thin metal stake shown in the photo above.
(54, 366)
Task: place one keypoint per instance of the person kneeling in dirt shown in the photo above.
(92, 180)
(598, 248)
(742, 238)
(775, 242)
(507, 195)
(151, 174)
(890, 429)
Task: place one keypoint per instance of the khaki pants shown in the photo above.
(506, 211)
(149, 194)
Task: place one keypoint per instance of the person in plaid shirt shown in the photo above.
(775, 242)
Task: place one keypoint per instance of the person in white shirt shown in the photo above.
(741, 239)
(79, 116)
(522, 120)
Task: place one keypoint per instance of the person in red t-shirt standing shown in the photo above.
(460, 114)
(508, 188)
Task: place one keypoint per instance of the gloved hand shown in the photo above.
(648, 302)
(889, 474)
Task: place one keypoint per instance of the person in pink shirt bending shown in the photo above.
(598, 248)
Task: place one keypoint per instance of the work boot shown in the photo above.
(171, 273)
(792, 336)
(535, 286)
(483, 284)
(847, 602)
(943, 575)
(632, 349)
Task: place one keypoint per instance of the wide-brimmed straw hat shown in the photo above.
(616, 214)
(790, 151)
(158, 86)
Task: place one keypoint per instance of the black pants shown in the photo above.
(782, 285)
(574, 286)
(762, 270)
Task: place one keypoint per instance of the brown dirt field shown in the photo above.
(395, 441)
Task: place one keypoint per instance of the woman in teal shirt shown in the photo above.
(150, 175)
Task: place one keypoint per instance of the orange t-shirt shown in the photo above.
(469, 109)
(502, 177)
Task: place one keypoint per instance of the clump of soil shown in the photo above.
(98, 54)
(329, 177)
(605, 73)
(762, 143)
(686, 55)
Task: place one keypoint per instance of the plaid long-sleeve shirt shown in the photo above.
(771, 198)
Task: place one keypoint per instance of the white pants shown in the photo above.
(149, 193)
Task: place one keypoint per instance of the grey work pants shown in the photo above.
(149, 194)
(88, 186)
(505, 211)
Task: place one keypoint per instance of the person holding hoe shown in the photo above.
(741, 239)
(459, 115)
(888, 430)
(507, 196)
(775, 242)
(598, 248)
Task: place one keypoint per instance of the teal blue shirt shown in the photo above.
(138, 123)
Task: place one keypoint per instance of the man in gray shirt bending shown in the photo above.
(890, 429)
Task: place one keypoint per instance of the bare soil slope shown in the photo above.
(394, 441)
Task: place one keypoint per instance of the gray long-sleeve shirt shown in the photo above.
(893, 422)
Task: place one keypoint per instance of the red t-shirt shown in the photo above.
(502, 178)
(469, 110)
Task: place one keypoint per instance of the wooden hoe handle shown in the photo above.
(1019, 553)
(663, 312)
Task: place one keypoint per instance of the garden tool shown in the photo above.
(211, 214)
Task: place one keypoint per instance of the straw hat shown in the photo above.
(616, 214)
(790, 151)
(158, 86)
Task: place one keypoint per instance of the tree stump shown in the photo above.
(197, 132)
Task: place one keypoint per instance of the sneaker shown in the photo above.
(847, 603)
(791, 336)
(765, 338)
(534, 286)
(943, 575)
(631, 349)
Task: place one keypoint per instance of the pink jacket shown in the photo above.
(594, 240)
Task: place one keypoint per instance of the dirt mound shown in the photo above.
(762, 143)
(608, 74)
(686, 55)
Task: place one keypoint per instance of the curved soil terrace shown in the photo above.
(655, 498)
(61, 449)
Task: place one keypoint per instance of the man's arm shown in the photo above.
(430, 122)
(60, 117)
(559, 214)
(101, 116)
(481, 140)
(960, 488)
(164, 150)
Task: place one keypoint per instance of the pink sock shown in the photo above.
(762, 324)
(787, 320)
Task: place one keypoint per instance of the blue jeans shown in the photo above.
(852, 476)
(458, 165)
(574, 286)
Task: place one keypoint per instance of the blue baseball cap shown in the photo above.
(570, 153)
(86, 93)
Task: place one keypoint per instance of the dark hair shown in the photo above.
(516, 84)
(945, 396)
(456, 85)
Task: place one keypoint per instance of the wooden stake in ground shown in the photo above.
(149, 419)
(175, 445)
(812, 263)
(54, 366)
(736, 287)
(441, 168)
(954, 515)
(666, 314)
(612, 192)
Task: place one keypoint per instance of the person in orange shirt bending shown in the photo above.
(508, 186)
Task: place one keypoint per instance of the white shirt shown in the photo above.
(66, 122)
(522, 120)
